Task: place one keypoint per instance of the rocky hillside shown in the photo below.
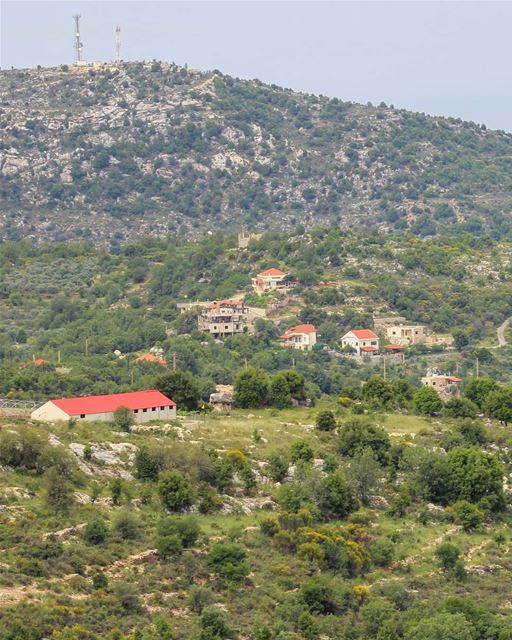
(111, 153)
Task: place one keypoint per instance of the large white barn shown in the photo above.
(145, 405)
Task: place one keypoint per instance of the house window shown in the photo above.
(82, 415)
(135, 411)
(144, 410)
(153, 409)
(162, 408)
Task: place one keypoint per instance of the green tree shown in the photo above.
(123, 418)
(59, 495)
(228, 560)
(175, 533)
(475, 476)
(477, 390)
(498, 405)
(460, 339)
(379, 393)
(175, 490)
(358, 434)
(277, 467)
(96, 531)
(301, 450)
(181, 387)
(145, 465)
(251, 388)
(460, 408)
(426, 401)
(280, 394)
(116, 489)
(467, 514)
(442, 626)
(365, 472)
(447, 554)
(325, 421)
(214, 625)
(335, 496)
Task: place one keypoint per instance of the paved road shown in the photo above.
(502, 342)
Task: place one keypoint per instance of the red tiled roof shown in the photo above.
(109, 403)
(150, 357)
(300, 328)
(393, 347)
(272, 272)
(38, 362)
(364, 334)
(453, 379)
(369, 349)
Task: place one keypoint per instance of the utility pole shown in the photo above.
(77, 42)
(118, 45)
(477, 367)
(58, 356)
(293, 363)
(174, 361)
(384, 365)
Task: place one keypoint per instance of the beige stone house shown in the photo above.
(406, 335)
(223, 318)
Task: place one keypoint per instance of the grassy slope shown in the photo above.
(274, 574)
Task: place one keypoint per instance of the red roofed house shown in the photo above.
(36, 362)
(445, 385)
(152, 359)
(302, 337)
(271, 280)
(146, 406)
(363, 341)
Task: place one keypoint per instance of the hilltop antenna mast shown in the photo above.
(118, 45)
(78, 43)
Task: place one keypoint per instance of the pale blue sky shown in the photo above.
(446, 58)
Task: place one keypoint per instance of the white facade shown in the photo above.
(302, 340)
(49, 412)
(359, 339)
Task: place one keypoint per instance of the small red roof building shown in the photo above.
(37, 362)
(369, 349)
(393, 347)
(300, 328)
(272, 272)
(150, 357)
(364, 334)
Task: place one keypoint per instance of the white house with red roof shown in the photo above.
(145, 406)
(363, 341)
(271, 280)
(302, 337)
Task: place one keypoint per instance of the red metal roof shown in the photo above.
(393, 347)
(454, 379)
(369, 349)
(364, 334)
(272, 272)
(109, 403)
(300, 328)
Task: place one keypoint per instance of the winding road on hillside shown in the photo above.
(502, 341)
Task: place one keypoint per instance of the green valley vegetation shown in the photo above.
(385, 525)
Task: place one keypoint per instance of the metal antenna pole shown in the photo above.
(118, 45)
(78, 44)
